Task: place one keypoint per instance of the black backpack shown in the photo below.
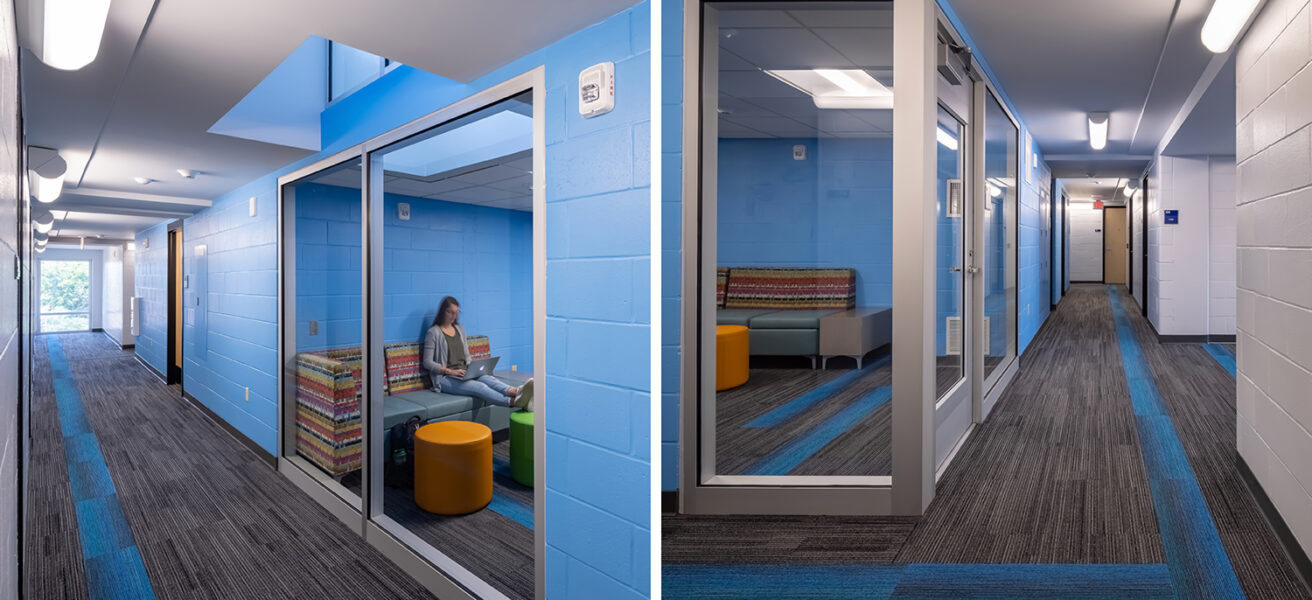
(399, 465)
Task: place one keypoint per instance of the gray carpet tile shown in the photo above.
(1199, 394)
(492, 546)
(211, 520)
(1055, 475)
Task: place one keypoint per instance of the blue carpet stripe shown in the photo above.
(787, 457)
(110, 558)
(921, 581)
(1198, 563)
(818, 394)
(1222, 356)
(506, 505)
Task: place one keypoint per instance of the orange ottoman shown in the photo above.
(731, 343)
(453, 467)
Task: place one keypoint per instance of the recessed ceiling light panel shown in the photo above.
(838, 88)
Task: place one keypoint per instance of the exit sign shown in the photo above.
(1097, 206)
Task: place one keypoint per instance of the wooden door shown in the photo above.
(1114, 252)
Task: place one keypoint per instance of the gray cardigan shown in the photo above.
(435, 352)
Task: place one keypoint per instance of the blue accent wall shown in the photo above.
(671, 234)
(1035, 260)
(151, 280)
(483, 256)
(834, 209)
(598, 305)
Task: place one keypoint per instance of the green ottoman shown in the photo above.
(521, 447)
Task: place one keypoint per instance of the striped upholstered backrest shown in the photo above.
(791, 288)
(479, 346)
(349, 356)
(405, 372)
(721, 285)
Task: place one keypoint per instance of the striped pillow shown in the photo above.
(797, 288)
(479, 346)
(405, 372)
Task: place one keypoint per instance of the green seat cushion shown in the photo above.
(790, 319)
(739, 316)
(521, 447)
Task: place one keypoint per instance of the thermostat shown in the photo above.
(597, 89)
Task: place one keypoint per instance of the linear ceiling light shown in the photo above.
(1225, 21)
(1098, 130)
(947, 139)
(47, 171)
(838, 88)
(71, 32)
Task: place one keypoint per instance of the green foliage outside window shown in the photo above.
(65, 287)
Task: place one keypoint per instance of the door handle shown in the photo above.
(972, 270)
(955, 269)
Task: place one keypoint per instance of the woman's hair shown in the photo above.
(441, 310)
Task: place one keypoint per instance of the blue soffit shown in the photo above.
(284, 108)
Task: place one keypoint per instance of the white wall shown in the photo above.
(1190, 284)
(117, 288)
(1274, 217)
(97, 275)
(1086, 242)
(1135, 208)
(1222, 254)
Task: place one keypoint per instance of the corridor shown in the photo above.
(1107, 470)
(136, 494)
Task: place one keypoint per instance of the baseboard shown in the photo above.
(250, 444)
(1299, 559)
(1082, 281)
(129, 346)
(97, 330)
(1195, 339)
(1182, 339)
(152, 370)
(670, 502)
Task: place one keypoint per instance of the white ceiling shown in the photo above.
(756, 105)
(503, 182)
(1137, 59)
(1106, 189)
(167, 71)
(1201, 132)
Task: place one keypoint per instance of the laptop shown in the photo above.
(480, 367)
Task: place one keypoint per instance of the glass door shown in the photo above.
(954, 276)
(795, 271)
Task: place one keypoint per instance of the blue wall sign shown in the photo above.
(1172, 217)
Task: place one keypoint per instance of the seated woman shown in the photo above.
(446, 356)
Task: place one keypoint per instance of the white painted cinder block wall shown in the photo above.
(1086, 242)
(1191, 281)
(1274, 216)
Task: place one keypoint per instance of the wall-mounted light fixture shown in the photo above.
(44, 222)
(1098, 130)
(1224, 23)
(70, 31)
(46, 169)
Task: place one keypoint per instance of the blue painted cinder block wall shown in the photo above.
(834, 209)
(598, 331)
(481, 255)
(151, 282)
(671, 234)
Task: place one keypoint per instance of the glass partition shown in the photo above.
(797, 225)
(457, 332)
(325, 422)
(999, 258)
(950, 277)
